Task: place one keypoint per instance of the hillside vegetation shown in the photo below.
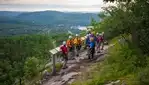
(23, 57)
(128, 27)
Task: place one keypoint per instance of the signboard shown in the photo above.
(58, 49)
(53, 51)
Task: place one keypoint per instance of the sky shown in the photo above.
(57, 5)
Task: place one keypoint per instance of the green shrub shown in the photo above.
(58, 66)
(31, 67)
(120, 62)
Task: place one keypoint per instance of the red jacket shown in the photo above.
(64, 49)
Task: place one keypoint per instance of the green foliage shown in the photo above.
(122, 60)
(16, 61)
(130, 18)
(60, 38)
(126, 61)
(31, 67)
(58, 66)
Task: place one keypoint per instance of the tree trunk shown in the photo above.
(134, 36)
(20, 81)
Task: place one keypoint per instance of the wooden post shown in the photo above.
(53, 65)
(53, 61)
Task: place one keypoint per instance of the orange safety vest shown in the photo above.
(77, 41)
(69, 43)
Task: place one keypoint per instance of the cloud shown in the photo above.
(59, 5)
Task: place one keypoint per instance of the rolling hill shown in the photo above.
(41, 21)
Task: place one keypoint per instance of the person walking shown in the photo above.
(77, 44)
(70, 46)
(99, 39)
(91, 48)
(87, 42)
(64, 52)
(102, 41)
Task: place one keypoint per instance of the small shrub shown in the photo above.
(31, 67)
(49, 70)
(58, 66)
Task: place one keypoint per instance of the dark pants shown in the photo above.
(78, 47)
(71, 52)
(88, 49)
(71, 49)
(65, 57)
(98, 46)
(91, 53)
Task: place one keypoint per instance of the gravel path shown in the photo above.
(75, 68)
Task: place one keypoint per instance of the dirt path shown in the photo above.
(75, 68)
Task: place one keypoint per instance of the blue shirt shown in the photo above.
(92, 44)
(88, 40)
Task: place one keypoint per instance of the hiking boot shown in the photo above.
(65, 67)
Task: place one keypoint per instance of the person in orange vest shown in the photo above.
(77, 43)
(70, 46)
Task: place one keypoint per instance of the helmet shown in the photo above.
(77, 35)
(97, 33)
(70, 37)
(64, 42)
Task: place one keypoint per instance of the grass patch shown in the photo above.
(122, 63)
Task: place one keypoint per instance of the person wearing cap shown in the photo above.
(93, 35)
(87, 42)
(89, 31)
(77, 42)
(70, 46)
(91, 48)
(102, 40)
(69, 43)
(64, 52)
(99, 39)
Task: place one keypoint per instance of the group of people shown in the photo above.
(72, 46)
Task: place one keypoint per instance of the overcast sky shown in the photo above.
(58, 5)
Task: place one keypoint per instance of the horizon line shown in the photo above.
(50, 10)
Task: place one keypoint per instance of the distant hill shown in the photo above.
(42, 20)
(9, 13)
(54, 17)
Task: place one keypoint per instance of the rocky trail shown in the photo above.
(75, 68)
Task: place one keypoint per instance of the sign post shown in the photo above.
(54, 51)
